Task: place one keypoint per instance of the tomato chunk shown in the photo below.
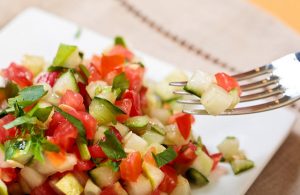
(19, 74)
(170, 179)
(136, 109)
(120, 50)
(135, 75)
(96, 151)
(187, 155)
(125, 105)
(10, 133)
(73, 99)
(48, 77)
(216, 158)
(84, 165)
(227, 82)
(131, 167)
(44, 189)
(8, 174)
(184, 122)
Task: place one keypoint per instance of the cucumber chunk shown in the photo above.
(91, 189)
(241, 165)
(196, 177)
(69, 185)
(153, 137)
(65, 82)
(229, 147)
(104, 111)
(35, 64)
(67, 56)
(154, 174)
(137, 123)
(182, 187)
(3, 188)
(235, 98)
(199, 83)
(203, 163)
(141, 186)
(22, 154)
(32, 177)
(133, 142)
(104, 176)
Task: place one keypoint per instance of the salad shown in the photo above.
(94, 126)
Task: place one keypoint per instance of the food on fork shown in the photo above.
(92, 126)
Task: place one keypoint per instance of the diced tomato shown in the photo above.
(135, 75)
(8, 174)
(187, 155)
(56, 158)
(148, 157)
(156, 192)
(73, 99)
(131, 166)
(170, 179)
(44, 189)
(19, 74)
(216, 158)
(9, 133)
(84, 165)
(136, 109)
(227, 82)
(204, 149)
(86, 98)
(89, 123)
(107, 63)
(48, 77)
(94, 74)
(184, 123)
(125, 105)
(110, 190)
(116, 133)
(96, 151)
(144, 101)
(120, 50)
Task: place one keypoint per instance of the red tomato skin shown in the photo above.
(170, 179)
(84, 165)
(184, 123)
(131, 167)
(227, 82)
(19, 74)
(125, 105)
(156, 192)
(73, 99)
(94, 74)
(110, 190)
(96, 151)
(44, 189)
(86, 98)
(116, 133)
(8, 174)
(216, 158)
(89, 123)
(135, 76)
(120, 50)
(48, 77)
(136, 109)
(107, 63)
(10, 133)
(188, 155)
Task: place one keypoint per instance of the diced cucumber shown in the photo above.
(67, 56)
(7, 88)
(83, 151)
(215, 100)
(99, 135)
(65, 82)
(176, 75)
(199, 83)
(133, 142)
(22, 154)
(69, 185)
(182, 187)
(141, 186)
(104, 111)
(34, 63)
(153, 137)
(174, 137)
(157, 126)
(121, 128)
(108, 94)
(32, 177)
(203, 163)
(196, 177)
(158, 148)
(94, 88)
(235, 98)
(241, 165)
(137, 123)
(104, 176)
(229, 147)
(118, 189)
(164, 91)
(3, 188)
(91, 188)
(154, 174)
(161, 114)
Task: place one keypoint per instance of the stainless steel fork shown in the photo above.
(279, 80)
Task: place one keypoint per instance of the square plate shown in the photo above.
(37, 32)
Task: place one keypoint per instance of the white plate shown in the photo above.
(37, 32)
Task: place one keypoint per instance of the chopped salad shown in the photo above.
(93, 126)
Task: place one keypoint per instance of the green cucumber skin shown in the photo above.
(240, 166)
(196, 177)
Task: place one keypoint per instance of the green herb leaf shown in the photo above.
(74, 121)
(114, 165)
(18, 110)
(120, 82)
(28, 96)
(112, 147)
(9, 151)
(48, 146)
(63, 53)
(165, 157)
(120, 41)
(20, 121)
(42, 114)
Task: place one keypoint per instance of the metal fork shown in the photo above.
(279, 80)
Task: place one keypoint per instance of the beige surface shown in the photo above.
(232, 30)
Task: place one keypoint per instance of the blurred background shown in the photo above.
(213, 35)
